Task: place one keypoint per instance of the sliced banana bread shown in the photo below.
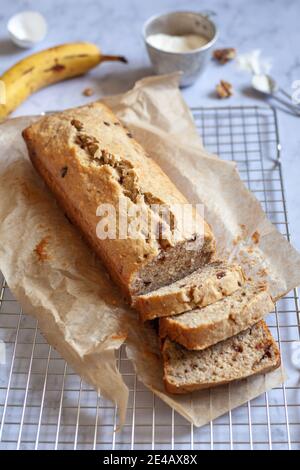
(253, 351)
(203, 287)
(200, 328)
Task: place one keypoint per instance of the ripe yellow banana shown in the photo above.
(46, 67)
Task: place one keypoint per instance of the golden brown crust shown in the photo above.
(66, 150)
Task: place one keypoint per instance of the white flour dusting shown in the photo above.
(253, 62)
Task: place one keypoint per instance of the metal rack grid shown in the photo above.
(44, 405)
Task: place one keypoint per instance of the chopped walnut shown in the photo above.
(92, 149)
(88, 92)
(224, 89)
(238, 348)
(84, 140)
(87, 143)
(224, 55)
(266, 349)
(221, 274)
(262, 272)
(255, 237)
(77, 124)
(109, 158)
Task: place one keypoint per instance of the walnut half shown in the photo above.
(88, 92)
(224, 89)
(224, 55)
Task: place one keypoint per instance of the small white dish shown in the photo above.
(27, 28)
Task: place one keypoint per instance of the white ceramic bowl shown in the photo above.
(27, 28)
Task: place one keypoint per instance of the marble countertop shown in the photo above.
(271, 25)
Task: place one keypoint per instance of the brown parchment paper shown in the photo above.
(57, 278)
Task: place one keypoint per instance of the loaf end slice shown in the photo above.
(200, 328)
(251, 352)
(205, 286)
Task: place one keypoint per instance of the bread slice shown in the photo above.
(92, 163)
(203, 287)
(251, 352)
(200, 328)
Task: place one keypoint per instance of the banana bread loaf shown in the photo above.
(87, 158)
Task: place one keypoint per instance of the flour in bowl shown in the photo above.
(168, 43)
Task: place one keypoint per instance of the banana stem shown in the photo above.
(118, 58)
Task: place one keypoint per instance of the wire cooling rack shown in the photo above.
(44, 405)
